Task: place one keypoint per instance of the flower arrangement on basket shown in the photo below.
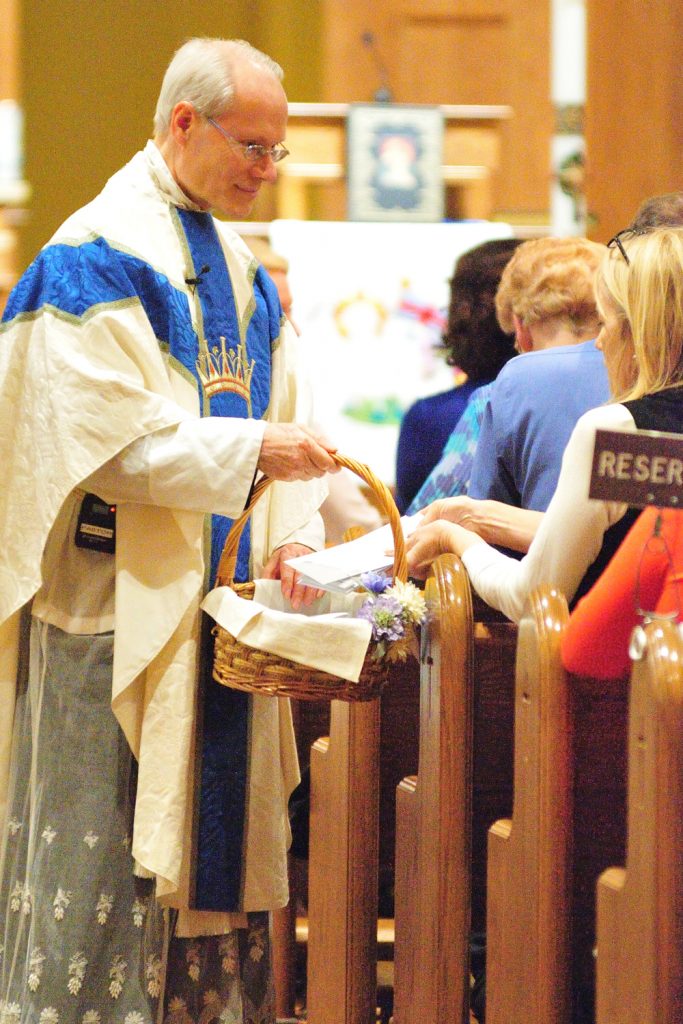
(393, 610)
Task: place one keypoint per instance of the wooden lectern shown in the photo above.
(316, 139)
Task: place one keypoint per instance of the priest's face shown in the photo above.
(208, 158)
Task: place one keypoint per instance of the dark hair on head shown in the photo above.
(659, 211)
(473, 339)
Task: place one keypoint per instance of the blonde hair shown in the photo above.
(647, 295)
(550, 278)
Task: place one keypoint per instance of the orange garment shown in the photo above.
(640, 575)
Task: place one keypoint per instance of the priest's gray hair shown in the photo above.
(200, 73)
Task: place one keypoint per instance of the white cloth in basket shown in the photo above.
(323, 636)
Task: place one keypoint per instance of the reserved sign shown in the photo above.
(644, 467)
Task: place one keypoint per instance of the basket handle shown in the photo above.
(228, 561)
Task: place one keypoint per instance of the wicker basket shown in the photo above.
(245, 668)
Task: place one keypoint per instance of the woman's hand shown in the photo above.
(496, 523)
(436, 538)
(455, 510)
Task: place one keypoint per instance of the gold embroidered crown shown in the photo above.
(225, 369)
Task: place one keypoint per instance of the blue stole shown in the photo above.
(225, 741)
(231, 362)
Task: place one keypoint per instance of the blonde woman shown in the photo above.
(640, 298)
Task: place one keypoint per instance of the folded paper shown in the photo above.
(339, 568)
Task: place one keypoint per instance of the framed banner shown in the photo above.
(394, 162)
(370, 301)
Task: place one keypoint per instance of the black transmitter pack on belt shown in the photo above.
(96, 529)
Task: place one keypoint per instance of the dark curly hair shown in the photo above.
(473, 340)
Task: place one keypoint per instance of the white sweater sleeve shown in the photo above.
(570, 536)
(201, 465)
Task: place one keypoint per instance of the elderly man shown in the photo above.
(147, 375)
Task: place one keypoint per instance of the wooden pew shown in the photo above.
(375, 744)
(528, 942)
(354, 774)
(568, 824)
(640, 908)
(444, 813)
(343, 859)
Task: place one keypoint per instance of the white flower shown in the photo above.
(153, 967)
(49, 1016)
(139, 910)
(14, 826)
(134, 1018)
(27, 901)
(103, 908)
(257, 943)
(77, 966)
(91, 1017)
(229, 962)
(16, 897)
(117, 973)
(412, 600)
(35, 964)
(11, 1013)
(20, 898)
(60, 903)
(192, 957)
(90, 839)
(48, 834)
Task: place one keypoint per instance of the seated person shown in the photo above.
(640, 297)
(499, 523)
(451, 474)
(475, 344)
(547, 299)
(645, 577)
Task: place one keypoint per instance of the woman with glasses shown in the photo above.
(640, 298)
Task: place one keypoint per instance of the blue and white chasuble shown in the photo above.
(172, 287)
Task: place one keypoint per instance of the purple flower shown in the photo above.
(375, 582)
(385, 614)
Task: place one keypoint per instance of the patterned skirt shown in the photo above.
(82, 940)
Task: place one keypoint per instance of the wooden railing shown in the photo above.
(463, 783)
(567, 825)
(529, 869)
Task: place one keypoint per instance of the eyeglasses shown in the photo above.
(621, 237)
(253, 151)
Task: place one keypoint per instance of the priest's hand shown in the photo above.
(291, 452)
(277, 569)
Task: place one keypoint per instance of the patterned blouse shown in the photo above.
(451, 475)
